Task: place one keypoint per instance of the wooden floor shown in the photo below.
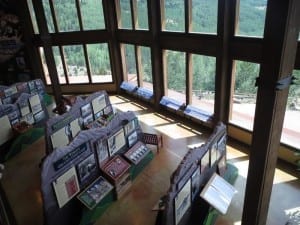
(21, 178)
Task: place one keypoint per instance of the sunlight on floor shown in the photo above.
(282, 177)
(150, 119)
(177, 132)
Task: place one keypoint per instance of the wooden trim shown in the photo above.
(204, 44)
(87, 63)
(139, 67)
(62, 56)
(189, 78)
(53, 16)
(79, 15)
(134, 19)
(279, 52)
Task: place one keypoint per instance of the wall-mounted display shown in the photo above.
(137, 152)
(86, 110)
(182, 202)
(95, 192)
(102, 152)
(98, 103)
(116, 142)
(66, 187)
(86, 168)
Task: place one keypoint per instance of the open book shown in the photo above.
(218, 193)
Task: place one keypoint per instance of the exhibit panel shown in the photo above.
(182, 203)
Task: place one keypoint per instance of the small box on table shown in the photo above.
(117, 171)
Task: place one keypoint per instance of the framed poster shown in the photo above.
(35, 104)
(66, 187)
(28, 118)
(24, 108)
(213, 154)
(86, 110)
(195, 179)
(132, 138)
(39, 116)
(75, 127)
(95, 192)
(222, 144)
(102, 152)
(88, 119)
(86, 168)
(116, 142)
(182, 201)
(129, 127)
(205, 163)
(98, 103)
(60, 138)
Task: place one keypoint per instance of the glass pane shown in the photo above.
(244, 96)
(147, 68)
(33, 17)
(252, 17)
(203, 86)
(126, 21)
(130, 63)
(59, 65)
(174, 15)
(204, 16)
(75, 62)
(98, 56)
(48, 15)
(92, 15)
(142, 14)
(176, 75)
(44, 65)
(66, 15)
(291, 128)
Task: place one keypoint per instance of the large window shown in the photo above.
(60, 66)
(126, 22)
(291, 127)
(203, 84)
(136, 10)
(244, 95)
(76, 65)
(130, 73)
(92, 14)
(173, 15)
(146, 68)
(204, 16)
(175, 75)
(66, 15)
(33, 17)
(44, 65)
(251, 21)
(99, 62)
(137, 66)
(142, 15)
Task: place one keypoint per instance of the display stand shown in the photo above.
(117, 171)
